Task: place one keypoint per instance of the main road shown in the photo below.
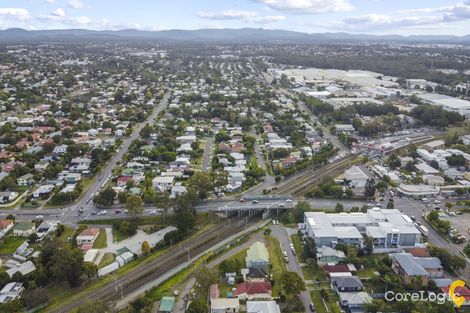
(70, 212)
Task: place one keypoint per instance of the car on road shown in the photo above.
(254, 201)
(242, 200)
(117, 211)
(153, 212)
(39, 217)
(289, 201)
(312, 307)
(282, 205)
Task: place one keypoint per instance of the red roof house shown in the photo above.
(123, 180)
(253, 290)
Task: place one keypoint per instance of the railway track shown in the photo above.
(146, 273)
(296, 186)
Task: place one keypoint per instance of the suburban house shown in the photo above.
(354, 301)
(25, 180)
(8, 196)
(253, 290)
(409, 267)
(327, 255)
(6, 225)
(257, 256)
(11, 291)
(88, 236)
(43, 191)
(346, 284)
(262, 307)
(24, 268)
(45, 228)
(24, 229)
(163, 183)
(225, 305)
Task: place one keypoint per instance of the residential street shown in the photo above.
(206, 160)
(283, 235)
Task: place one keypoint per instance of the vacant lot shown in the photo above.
(10, 244)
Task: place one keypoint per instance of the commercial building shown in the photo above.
(388, 229)
(447, 103)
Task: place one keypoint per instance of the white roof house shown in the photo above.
(262, 307)
(163, 182)
(24, 268)
(222, 305)
(11, 291)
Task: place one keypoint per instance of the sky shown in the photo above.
(405, 17)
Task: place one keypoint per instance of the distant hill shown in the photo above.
(243, 35)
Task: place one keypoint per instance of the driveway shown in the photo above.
(283, 235)
(133, 243)
(206, 159)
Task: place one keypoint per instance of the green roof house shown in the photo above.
(24, 229)
(257, 256)
(166, 305)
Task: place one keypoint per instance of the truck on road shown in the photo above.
(423, 229)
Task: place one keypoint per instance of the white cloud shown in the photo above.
(268, 19)
(76, 4)
(228, 15)
(59, 12)
(15, 13)
(247, 16)
(50, 1)
(308, 6)
(412, 18)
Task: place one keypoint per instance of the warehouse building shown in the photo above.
(448, 103)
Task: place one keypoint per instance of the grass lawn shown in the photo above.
(119, 236)
(297, 246)
(100, 241)
(68, 232)
(240, 256)
(107, 259)
(308, 273)
(317, 302)
(10, 244)
(366, 273)
(278, 264)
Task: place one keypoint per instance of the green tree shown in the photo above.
(135, 205)
(90, 269)
(299, 211)
(197, 306)
(391, 204)
(202, 182)
(106, 197)
(33, 238)
(369, 189)
(291, 283)
(62, 261)
(145, 247)
(339, 207)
